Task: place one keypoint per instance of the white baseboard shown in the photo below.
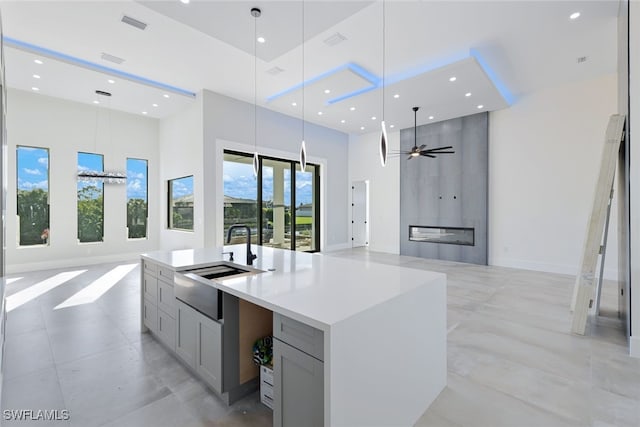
(71, 262)
(336, 247)
(572, 270)
(634, 346)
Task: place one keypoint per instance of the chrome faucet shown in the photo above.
(250, 256)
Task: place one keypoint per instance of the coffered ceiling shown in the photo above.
(497, 51)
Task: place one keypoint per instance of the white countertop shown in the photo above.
(313, 288)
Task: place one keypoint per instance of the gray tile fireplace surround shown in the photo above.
(449, 191)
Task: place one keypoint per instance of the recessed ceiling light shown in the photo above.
(154, 105)
(373, 117)
(361, 127)
(111, 81)
(294, 103)
(480, 106)
(319, 113)
(144, 112)
(261, 40)
(452, 79)
(342, 121)
(574, 15)
(96, 102)
(431, 117)
(352, 108)
(327, 91)
(37, 61)
(396, 96)
(185, 1)
(35, 88)
(35, 76)
(468, 94)
(392, 126)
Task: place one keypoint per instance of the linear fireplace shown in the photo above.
(447, 235)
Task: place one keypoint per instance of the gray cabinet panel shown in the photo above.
(186, 333)
(301, 336)
(150, 315)
(298, 388)
(166, 297)
(167, 329)
(150, 287)
(209, 356)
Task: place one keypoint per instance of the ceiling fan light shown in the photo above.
(414, 154)
(383, 144)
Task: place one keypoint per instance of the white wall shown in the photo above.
(228, 124)
(181, 137)
(65, 128)
(634, 135)
(384, 188)
(544, 157)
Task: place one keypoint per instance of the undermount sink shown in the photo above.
(202, 296)
(217, 271)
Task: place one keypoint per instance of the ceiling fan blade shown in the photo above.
(439, 152)
(427, 155)
(440, 148)
(410, 157)
(422, 147)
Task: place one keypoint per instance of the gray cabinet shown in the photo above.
(186, 333)
(158, 302)
(209, 352)
(298, 389)
(199, 343)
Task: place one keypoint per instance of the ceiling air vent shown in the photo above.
(111, 58)
(582, 59)
(134, 22)
(335, 39)
(274, 71)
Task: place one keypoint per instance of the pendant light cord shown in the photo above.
(255, 84)
(383, 55)
(303, 71)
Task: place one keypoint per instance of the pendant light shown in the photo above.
(383, 132)
(303, 148)
(255, 12)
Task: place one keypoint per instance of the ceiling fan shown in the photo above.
(423, 150)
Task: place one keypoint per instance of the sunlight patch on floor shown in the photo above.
(98, 287)
(24, 296)
(11, 280)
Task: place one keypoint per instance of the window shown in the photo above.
(181, 203)
(287, 198)
(90, 200)
(137, 206)
(32, 167)
(240, 195)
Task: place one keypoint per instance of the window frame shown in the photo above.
(48, 227)
(146, 230)
(103, 210)
(170, 205)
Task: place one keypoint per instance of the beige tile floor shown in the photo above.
(511, 359)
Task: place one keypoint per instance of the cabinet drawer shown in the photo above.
(166, 298)
(149, 268)
(150, 315)
(303, 337)
(167, 329)
(165, 274)
(150, 287)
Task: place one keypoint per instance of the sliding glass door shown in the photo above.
(281, 206)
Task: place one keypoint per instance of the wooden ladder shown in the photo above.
(586, 285)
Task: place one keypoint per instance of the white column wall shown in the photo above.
(544, 156)
(181, 144)
(66, 127)
(384, 188)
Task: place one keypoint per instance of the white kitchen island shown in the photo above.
(382, 351)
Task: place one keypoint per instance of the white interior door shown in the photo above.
(359, 213)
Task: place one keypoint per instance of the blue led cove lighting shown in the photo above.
(28, 47)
